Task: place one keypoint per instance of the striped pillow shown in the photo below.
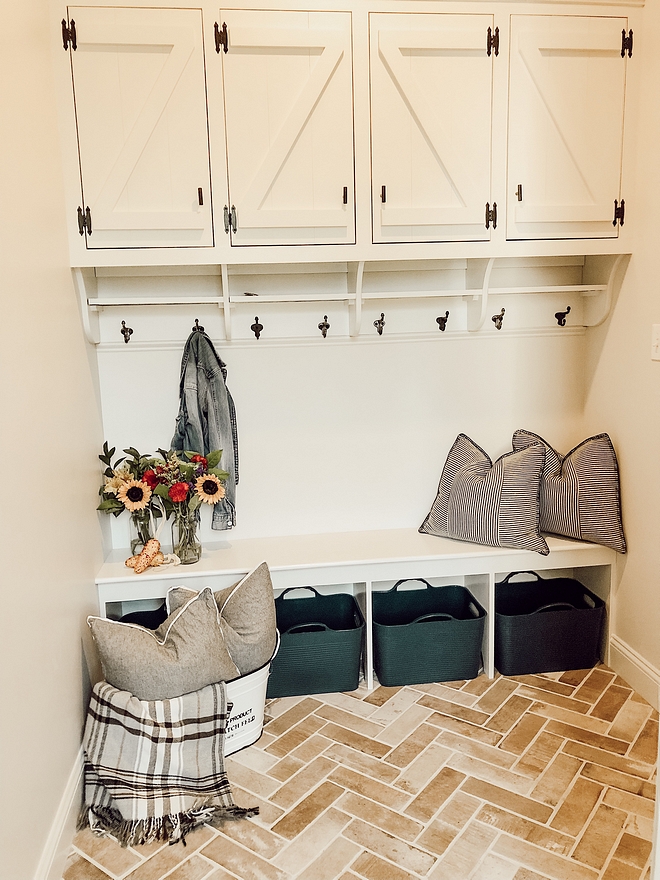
(580, 494)
(494, 504)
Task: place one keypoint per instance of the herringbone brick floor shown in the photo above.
(548, 776)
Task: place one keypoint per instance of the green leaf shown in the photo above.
(194, 502)
(132, 451)
(110, 504)
(187, 470)
(190, 454)
(162, 490)
(163, 454)
(220, 474)
(213, 458)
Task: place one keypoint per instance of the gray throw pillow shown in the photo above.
(187, 652)
(247, 615)
(580, 493)
(494, 504)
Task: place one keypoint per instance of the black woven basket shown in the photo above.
(321, 644)
(426, 635)
(546, 625)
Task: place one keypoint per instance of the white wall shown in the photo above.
(50, 439)
(623, 384)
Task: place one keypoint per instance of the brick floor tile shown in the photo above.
(508, 714)
(105, 852)
(285, 768)
(241, 862)
(369, 787)
(617, 870)
(349, 720)
(645, 747)
(381, 695)
(577, 806)
(545, 684)
(594, 684)
(632, 803)
(458, 810)
(494, 794)
(455, 710)
(526, 829)
(600, 836)
(472, 731)
(483, 752)
(611, 702)
(496, 695)
(613, 778)
(540, 860)
(292, 716)
(464, 855)
(298, 786)
(432, 796)
(438, 836)
(412, 746)
(540, 753)
(361, 762)
(413, 779)
(372, 868)
(630, 720)
(293, 822)
(332, 861)
(356, 740)
(78, 868)
(378, 815)
(554, 699)
(403, 725)
(320, 835)
(579, 734)
(574, 677)
(522, 734)
(567, 716)
(608, 759)
(296, 735)
(446, 693)
(556, 779)
(388, 847)
(481, 770)
(633, 850)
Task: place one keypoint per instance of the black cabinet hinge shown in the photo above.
(626, 43)
(84, 221)
(491, 215)
(69, 34)
(221, 37)
(493, 41)
(619, 212)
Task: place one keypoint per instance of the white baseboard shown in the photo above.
(638, 672)
(63, 828)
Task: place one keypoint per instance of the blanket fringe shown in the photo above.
(174, 828)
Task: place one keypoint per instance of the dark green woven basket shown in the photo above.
(426, 635)
(321, 644)
(546, 625)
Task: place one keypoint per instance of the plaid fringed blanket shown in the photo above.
(155, 770)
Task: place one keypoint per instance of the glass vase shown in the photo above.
(141, 530)
(185, 543)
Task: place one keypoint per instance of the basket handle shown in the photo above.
(307, 627)
(405, 581)
(288, 590)
(556, 606)
(429, 618)
(514, 573)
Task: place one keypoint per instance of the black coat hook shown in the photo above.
(380, 323)
(125, 331)
(257, 328)
(198, 327)
(442, 321)
(561, 316)
(497, 320)
(324, 326)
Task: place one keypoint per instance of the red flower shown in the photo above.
(150, 478)
(199, 458)
(178, 492)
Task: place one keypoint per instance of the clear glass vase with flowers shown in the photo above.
(126, 486)
(184, 481)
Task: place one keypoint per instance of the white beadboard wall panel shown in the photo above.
(349, 435)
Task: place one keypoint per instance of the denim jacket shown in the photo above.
(207, 418)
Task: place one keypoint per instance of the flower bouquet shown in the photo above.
(183, 482)
(126, 486)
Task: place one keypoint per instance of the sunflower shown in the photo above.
(209, 488)
(134, 494)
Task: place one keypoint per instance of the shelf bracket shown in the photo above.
(89, 314)
(597, 308)
(355, 277)
(477, 305)
(226, 309)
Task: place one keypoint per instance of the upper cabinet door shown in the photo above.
(289, 121)
(566, 105)
(140, 97)
(431, 99)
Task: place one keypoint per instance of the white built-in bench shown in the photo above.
(361, 562)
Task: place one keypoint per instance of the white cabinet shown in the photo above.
(431, 107)
(289, 127)
(140, 105)
(566, 108)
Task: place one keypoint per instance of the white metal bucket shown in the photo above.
(248, 696)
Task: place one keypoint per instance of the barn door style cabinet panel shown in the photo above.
(566, 109)
(289, 127)
(139, 87)
(431, 108)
